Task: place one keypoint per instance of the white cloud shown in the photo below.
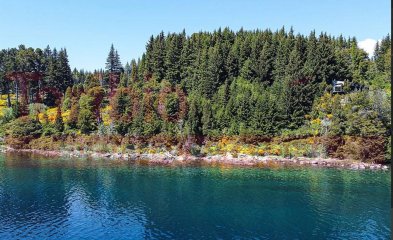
(368, 45)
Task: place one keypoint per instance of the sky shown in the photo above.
(88, 28)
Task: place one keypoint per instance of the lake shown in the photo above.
(42, 198)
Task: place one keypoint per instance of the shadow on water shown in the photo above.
(97, 199)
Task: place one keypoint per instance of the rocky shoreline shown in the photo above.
(241, 160)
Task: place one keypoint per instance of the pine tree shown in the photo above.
(134, 71)
(86, 119)
(247, 71)
(59, 124)
(172, 59)
(121, 113)
(207, 118)
(158, 60)
(193, 123)
(188, 68)
(380, 50)
(63, 70)
(74, 113)
(96, 94)
(67, 99)
(114, 67)
(127, 69)
(50, 79)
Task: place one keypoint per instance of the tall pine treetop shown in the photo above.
(113, 63)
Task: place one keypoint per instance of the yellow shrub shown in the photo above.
(3, 102)
(152, 151)
(316, 121)
(65, 115)
(249, 150)
(275, 151)
(310, 141)
(51, 112)
(261, 152)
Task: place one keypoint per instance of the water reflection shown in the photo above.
(98, 199)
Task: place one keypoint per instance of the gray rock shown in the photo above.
(354, 166)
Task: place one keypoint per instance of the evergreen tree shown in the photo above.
(86, 119)
(207, 119)
(134, 71)
(74, 113)
(59, 124)
(121, 113)
(96, 94)
(172, 59)
(63, 70)
(114, 67)
(67, 99)
(158, 61)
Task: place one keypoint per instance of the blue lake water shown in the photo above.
(102, 199)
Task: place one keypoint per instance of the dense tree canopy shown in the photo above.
(207, 84)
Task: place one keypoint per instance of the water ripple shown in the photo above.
(79, 199)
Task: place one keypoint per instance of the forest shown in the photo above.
(257, 92)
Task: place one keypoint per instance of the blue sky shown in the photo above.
(87, 28)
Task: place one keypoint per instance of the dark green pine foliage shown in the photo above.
(265, 60)
(232, 62)
(380, 49)
(159, 53)
(148, 58)
(64, 75)
(207, 118)
(327, 61)
(51, 69)
(194, 122)
(216, 73)
(172, 58)
(113, 63)
(114, 68)
(134, 74)
(188, 64)
(52, 83)
(121, 113)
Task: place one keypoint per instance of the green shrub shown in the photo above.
(24, 127)
(195, 150)
(8, 115)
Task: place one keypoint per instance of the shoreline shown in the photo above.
(241, 160)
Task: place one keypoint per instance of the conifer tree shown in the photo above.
(114, 67)
(121, 113)
(158, 60)
(86, 119)
(134, 71)
(74, 113)
(172, 59)
(59, 124)
(64, 75)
